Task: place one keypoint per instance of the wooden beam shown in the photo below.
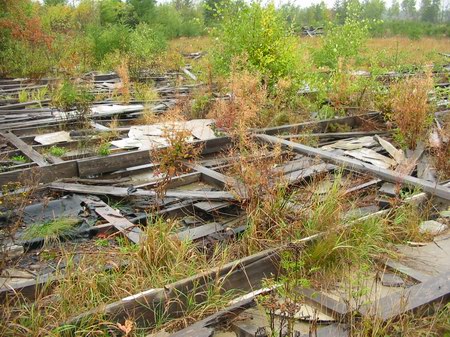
(434, 290)
(321, 126)
(324, 303)
(219, 179)
(94, 166)
(130, 192)
(122, 224)
(408, 271)
(43, 174)
(244, 275)
(26, 149)
(356, 165)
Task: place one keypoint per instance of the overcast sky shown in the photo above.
(306, 3)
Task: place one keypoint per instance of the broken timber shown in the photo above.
(26, 149)
(352, 164)
(127, 228)
(129, 192)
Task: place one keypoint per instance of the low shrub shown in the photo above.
(259, 36)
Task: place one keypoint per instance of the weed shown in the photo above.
(200, 106)
(23, 96)
(411, 111)
(102, 242)
(68, 97)
(51, 229)
(124, 89)
(172, 156)
(57, 151)
(104, 149)
(145, 92)
(19, 159)
(342, 42)
(242, 110)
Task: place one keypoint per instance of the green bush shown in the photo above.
(341, 42)
(109, 39)
(18, 58)
(259, 37)
(175, 23)
(145, 44)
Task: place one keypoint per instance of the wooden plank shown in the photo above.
(408, 271)
(116, 219)
(335, 135)
(130, 192)
(333, 330)
(373, 182)
(324, 303)
(93, 166)
(43, 175)
(219, 179)
(352, 164)
(200, 231)
(243, 275)
(433, 290)
(211, 206)
(321, 126)
(26, 149)
(22, 105)
(304, 174)
(226, 314)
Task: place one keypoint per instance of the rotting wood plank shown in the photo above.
(211, 321)
(93, 166)
(199, 232)
(319, 126)
(22, 105)
(245, 275)
(211, 206)
(43, 174)
(408, 271)
(333, 330)
(324, 303)
(306, 173)
(335, 135)
(26, 149)
(122, 224)
(177, 181)
(130, 192)
(433, 290)
(373, 182)
(219, 179)
(352, 164)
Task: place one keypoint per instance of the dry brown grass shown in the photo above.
(411, 111)
(242, 110)
(441, 153)
(420, 51)
(123, 73)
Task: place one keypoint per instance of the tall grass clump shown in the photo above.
(411, 111)
(260, 37)
(242, 110)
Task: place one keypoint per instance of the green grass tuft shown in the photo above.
(51, 229)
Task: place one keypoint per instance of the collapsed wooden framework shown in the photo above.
(213, 195)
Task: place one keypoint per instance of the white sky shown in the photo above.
(306, 3)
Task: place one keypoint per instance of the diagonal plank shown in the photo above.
(352, 164)
(434, 290)
(116, 219)
(26, 149)
(130, 192)
(219, 179)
